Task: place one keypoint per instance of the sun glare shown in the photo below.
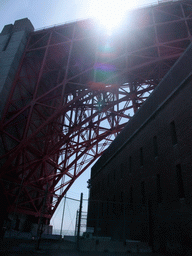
(110, 13)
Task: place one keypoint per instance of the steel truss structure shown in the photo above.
(75, 90)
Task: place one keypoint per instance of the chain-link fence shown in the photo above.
(65, 220)
(17, 224)
(71, 217)
(115, 226)
(103, 225)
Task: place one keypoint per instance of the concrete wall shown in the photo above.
(21, 225)
(13, 39)
(160, 176)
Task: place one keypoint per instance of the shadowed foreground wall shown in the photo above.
(147, 169)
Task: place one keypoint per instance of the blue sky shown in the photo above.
(43, 13)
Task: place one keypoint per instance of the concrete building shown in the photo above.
(141, 187)
(13, 39)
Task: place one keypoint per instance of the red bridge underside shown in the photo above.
(74, 91)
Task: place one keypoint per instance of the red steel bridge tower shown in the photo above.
(74, 91)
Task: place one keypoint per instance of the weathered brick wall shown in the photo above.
(170, 102)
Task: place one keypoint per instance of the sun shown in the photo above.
(110, 13)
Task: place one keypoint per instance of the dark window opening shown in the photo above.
(143, 196)
(159, 189)
(107, 207)
(130, 164)
(114, 205)
(141, 156)
(121, 171)
(131, 197)
(180, 182)
(121, 196)
(102, 209)
(155, 146)
(173, 133)
(98, 187)
(122, 203)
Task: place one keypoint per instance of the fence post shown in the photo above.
(40, 225)
(76, 224)
(63, 216)
(79, 220)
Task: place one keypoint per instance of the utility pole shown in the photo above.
(79, 220)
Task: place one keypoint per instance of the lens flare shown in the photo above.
(110, 13)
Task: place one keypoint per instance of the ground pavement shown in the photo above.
(15, 247)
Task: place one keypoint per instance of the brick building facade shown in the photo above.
(141, 187)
